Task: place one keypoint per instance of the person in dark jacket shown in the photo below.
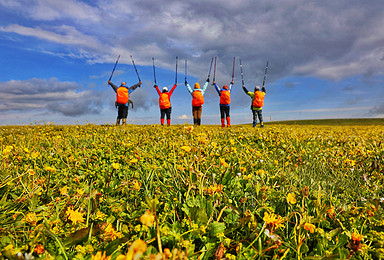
(225, 102)
(257, 104)
(122, 100)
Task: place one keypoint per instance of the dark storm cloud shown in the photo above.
(66, 98)
(327, 39)
(378, 110)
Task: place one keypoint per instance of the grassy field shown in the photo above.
(306, 190)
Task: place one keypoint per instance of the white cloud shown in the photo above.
(184, 117)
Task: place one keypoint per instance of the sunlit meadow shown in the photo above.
(184, 192)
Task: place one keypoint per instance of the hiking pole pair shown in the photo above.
(154, 70)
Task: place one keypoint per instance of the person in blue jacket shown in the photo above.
(225, 102)
(122, 100)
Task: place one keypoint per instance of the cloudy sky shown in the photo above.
(326, 58)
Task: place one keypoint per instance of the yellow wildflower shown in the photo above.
(134, 160)
(148, 218)
(50, 169)
(356, 236)
(291, 198)
(135, 251)
(101, 256)
(74, 216)
(310, 227)
(273, 221)
(115, 166)
(110, 233)
(31, 218)
(186, 148)
(64, 190)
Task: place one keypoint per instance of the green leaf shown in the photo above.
(216, 228)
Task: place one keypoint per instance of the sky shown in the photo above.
(326, 58)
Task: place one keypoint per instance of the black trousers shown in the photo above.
(224, 111)
(122, 112)
(165, 112)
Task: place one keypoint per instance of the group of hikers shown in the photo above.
(197, 93)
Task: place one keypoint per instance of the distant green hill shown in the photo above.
(358, 121)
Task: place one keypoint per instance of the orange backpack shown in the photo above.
(122, 95)
(164, 102)
(197, 98)
(225, 97)
(259, 99)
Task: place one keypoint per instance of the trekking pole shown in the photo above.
(242, 74)
(154, 71)
(137, 73)
(265, 73)
(176, 71)
(185, 73)
(233, 69)
(214, 71)
(114, 68)
(210, 68)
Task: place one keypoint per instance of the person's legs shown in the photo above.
(194, 114)
(162, 115)
(228, 116)
(168, 113)
(222, 116)
(199, 110)
(124, 114)
(254, 114)
(119, 114)
(260, 115)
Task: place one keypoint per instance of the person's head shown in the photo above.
(123, 84)
(197, 85)
(165, 89)
(257, 88)
(225, 87)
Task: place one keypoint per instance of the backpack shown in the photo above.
(122, 95)
(225, 97)
(259, 99)
(164, 102)
(197, 98)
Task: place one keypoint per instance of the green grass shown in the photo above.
(332, 122)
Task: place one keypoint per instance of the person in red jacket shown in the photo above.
(225, 102)
(165, 103)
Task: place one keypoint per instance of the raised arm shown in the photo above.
(132, 88)
(190, 90)
(205, 86)
(263, 89)
(245, 90)
(230, 86)
(114, 87)
(172, 89)
(217, 88)
(157, 89)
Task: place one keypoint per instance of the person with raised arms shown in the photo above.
(197, 94)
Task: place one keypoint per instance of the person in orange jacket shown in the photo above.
(197, 100)
(165, 103)
(122, 100)
(257, 103)
(225, 102)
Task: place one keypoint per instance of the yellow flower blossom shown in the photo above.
(64, 190)
(310, 227)
(74, 216)
(115, 166)
(356, 236)
(101, 256)
(50, 169)
(186, 148)
(291, 198)
(273, 221)
(147, 218)
(31, 218)
(110, 233)
(135, 251)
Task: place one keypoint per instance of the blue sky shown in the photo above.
(326, 58)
